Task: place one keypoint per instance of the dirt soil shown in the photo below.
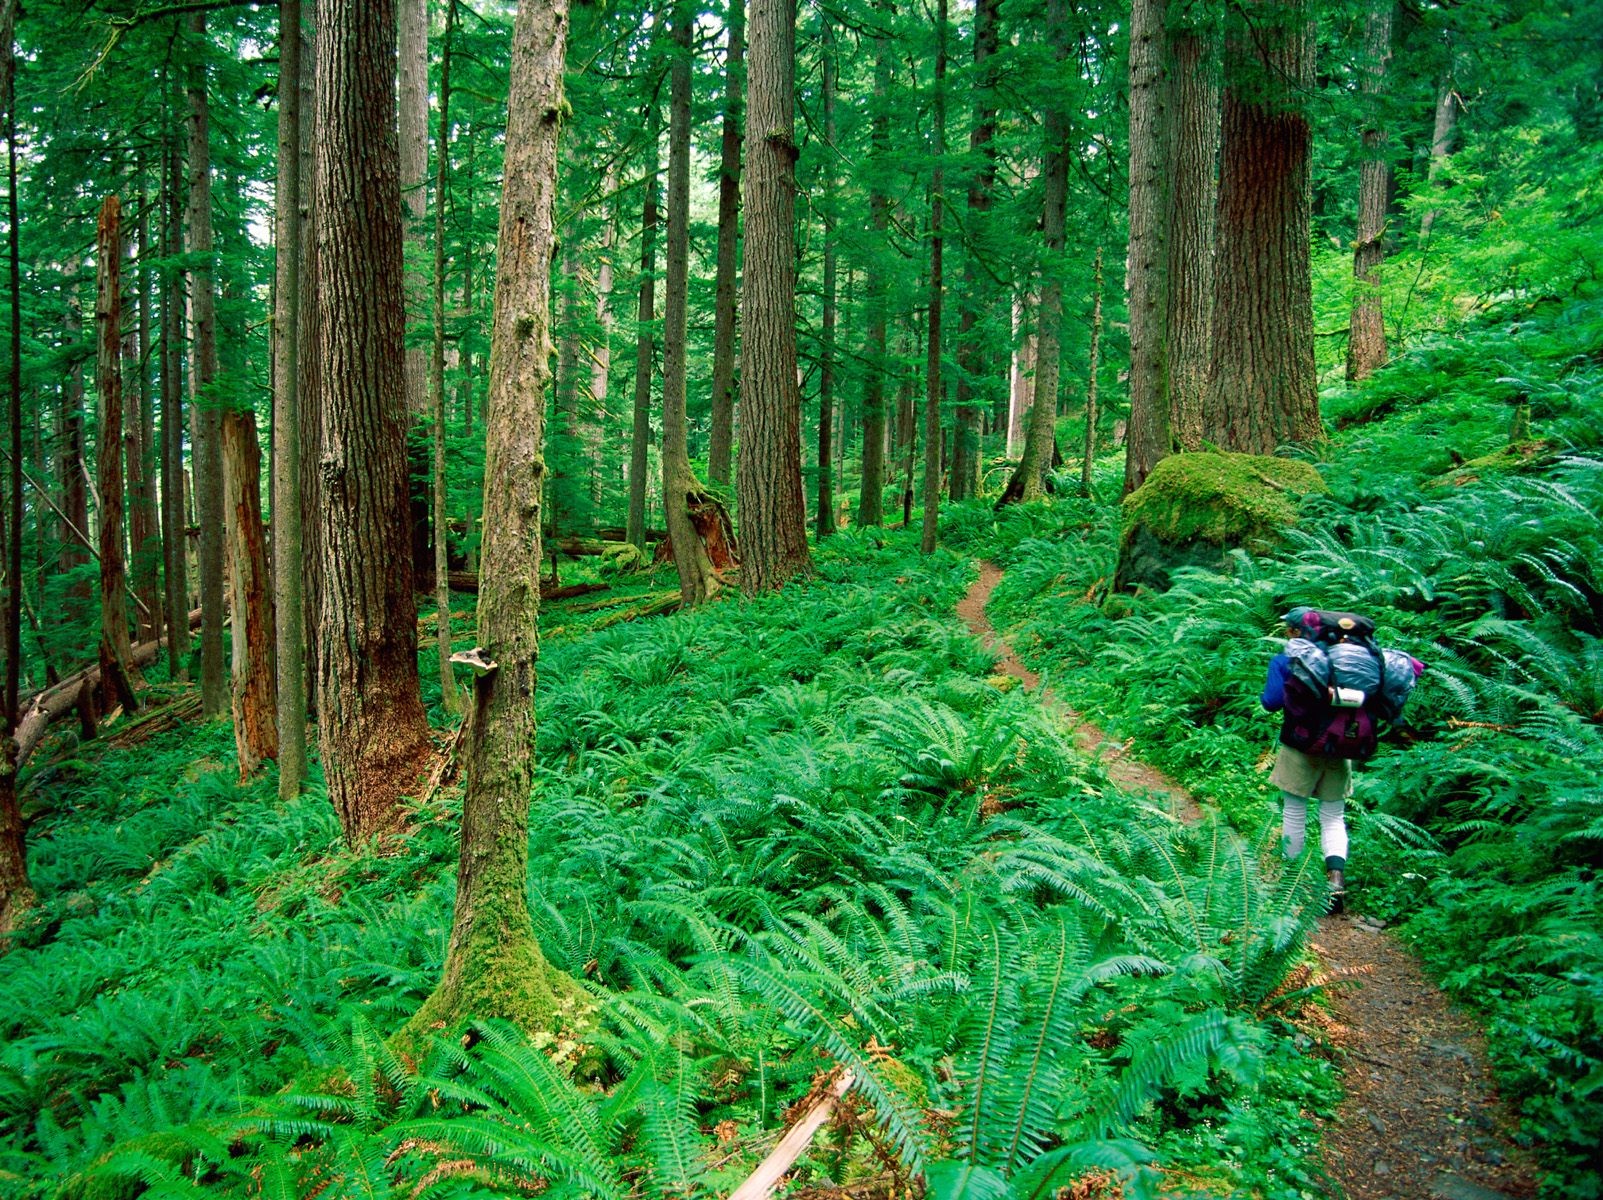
(1421, 1117)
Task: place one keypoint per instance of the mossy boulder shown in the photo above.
(1195, 508)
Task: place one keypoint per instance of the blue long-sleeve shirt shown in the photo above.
(1274, 688)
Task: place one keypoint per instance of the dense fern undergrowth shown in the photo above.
(775, 837)
(1481, 830)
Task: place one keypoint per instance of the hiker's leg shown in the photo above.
(1293, 823)
(1333, 833)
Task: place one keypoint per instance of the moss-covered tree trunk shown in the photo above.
(494, 967)
(1366, 335)
(871, 497)
(1028, 479)
(115, 682)
(645, 312)
(932, 370)
(682, 493)
(721, 440)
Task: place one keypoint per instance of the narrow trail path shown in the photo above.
(1420, 1119)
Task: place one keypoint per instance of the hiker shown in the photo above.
(1333, 687)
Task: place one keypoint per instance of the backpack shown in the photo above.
(1341, 687)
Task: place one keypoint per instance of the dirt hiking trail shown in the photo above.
(1420, 1119)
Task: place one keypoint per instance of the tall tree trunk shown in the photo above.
(1040, 439)
(174, 535)
(1148, 270)
(824, 521)
(16, 892)
(115, 672)
(493, 964)
(74, 534)
(204, 412)
(1021, 377)
(449, 697)
(601, 359)
(871, 499)
(138, 438)
(1366, 337)
(1091, 414)
(932, 370)
(254, 694)
(1193, 199)
(288, 544)
(978, 295)
(372, 728)
(645, 313)
(412, 61)
(308, 337)
(773, 511)
(565, 494)
(1441, 140)
(1261, 391)
(683, 498)
(723, 355)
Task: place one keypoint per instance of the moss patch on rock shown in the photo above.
(1225, 499)
(1195, 507)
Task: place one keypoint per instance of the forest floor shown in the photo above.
(1420, 1116)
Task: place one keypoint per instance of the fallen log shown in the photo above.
(796, 1140)
(76, 693)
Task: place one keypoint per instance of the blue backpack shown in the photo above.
(1341, 687)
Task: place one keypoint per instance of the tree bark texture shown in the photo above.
(824, 521)
(372, 729)
(1193, 197)
(205, 416)
(645, 313)
(1040, 438)
(979, 295)
(934, 386)
(682, 493)
(288, 592)
(773, 511)
(449, 697)
(115, 671)
(412, 62)
(1366, 334)
(253, 692)
(724, 304)
(494, 967)
(1261, 389)
(1147, 279)
(174, 538)
(1443, 126)
(566, 493)
(871, 498)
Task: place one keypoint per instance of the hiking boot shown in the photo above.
(1338, 891)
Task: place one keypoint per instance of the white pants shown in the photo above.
(1332, 827)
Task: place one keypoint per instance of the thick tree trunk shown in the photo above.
(288, 544)
(1091, 414)
(371, 724)
(824, 520)
(493, 965)
(1040, 439)
(773, 511)
(1147, 281)
(934, 387)
(645, 313)
(723, 355)
(449, 696)
(1366, 337)
(205, 416)
(174, 538)
(871, 499)
(253, 694)
(412, 61)
(1193, 198)
(681, 491)
(115, 671)
(978, 295)
(1261, 391)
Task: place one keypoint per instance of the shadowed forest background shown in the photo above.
(364, 355)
